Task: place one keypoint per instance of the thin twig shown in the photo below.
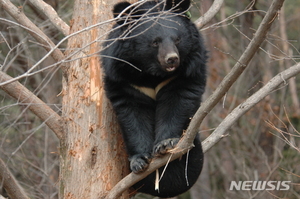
(35, 32)
(248, 104)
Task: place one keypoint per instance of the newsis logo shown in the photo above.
(259, 185)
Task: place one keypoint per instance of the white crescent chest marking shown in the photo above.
(152, 92)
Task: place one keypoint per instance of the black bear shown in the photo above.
(154, 63)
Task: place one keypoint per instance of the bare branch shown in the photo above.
(37, 106)
(21, 18)
(213, 10)
(231, 18)
(248, 104)
(52, 15)
(186, 142)
(10, 184)
(236, 71)
(133, 178)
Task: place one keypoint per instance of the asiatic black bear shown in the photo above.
(154, 62)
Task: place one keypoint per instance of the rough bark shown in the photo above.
(93, 157)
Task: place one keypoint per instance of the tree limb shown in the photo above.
(37, 106)
(10, 184)
(52, 16)
(249, 103)
(17, 90)
(186, 142)
(21, 18)
(213, 10)
(233, 75)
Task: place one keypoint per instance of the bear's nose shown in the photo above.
(172, 58)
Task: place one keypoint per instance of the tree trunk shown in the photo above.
(93, 157)
(287, 62)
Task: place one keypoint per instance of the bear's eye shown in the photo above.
(177, 40)
(155, 42)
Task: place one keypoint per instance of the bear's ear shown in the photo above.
(178, 5)
(119, 8)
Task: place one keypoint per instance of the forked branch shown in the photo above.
(213, 10)
(236, 71)
(281, 78)
(39, 35)
(20, 92)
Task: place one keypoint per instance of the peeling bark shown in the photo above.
(93, 157)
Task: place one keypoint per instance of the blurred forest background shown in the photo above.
(262, 145)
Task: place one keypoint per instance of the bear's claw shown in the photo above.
(139, 162)
(164, 146)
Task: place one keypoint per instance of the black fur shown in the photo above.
(155, 74)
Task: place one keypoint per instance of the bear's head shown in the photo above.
(155, 36)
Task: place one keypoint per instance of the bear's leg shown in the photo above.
(135, 112)
(137, 125)
(176, 104)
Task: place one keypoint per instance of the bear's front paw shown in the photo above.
(164, 146)
(139, 162)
